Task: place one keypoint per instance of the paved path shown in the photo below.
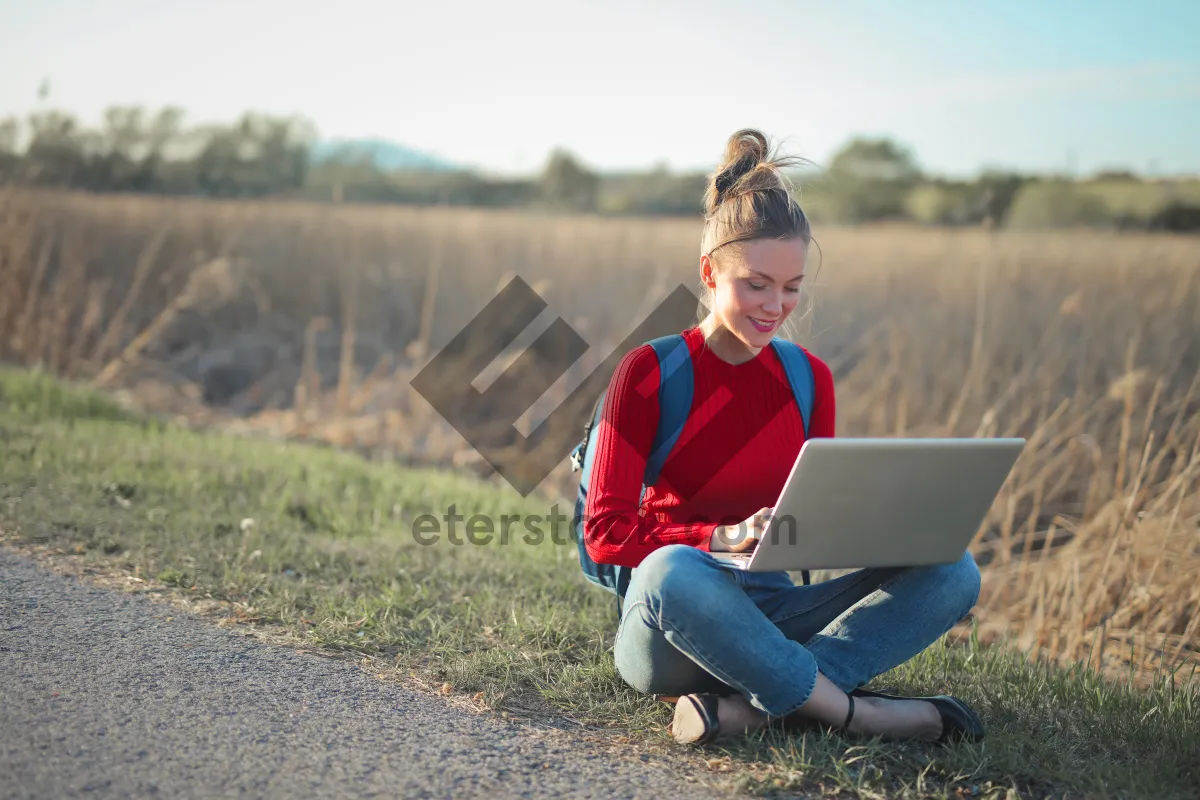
(100, 696)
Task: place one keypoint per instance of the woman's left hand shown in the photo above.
(743, 537)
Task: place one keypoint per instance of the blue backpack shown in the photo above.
(675, 403)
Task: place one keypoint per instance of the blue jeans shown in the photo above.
(692, 623)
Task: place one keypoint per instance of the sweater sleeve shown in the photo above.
(824, 412)
(615, 531)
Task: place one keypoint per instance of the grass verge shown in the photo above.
(321, 543)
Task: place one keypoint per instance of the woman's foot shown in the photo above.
(702, 718)
(864, 712)
(958, 720)
(895, 719)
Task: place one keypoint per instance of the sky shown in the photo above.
(629, 84)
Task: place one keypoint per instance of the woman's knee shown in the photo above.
(948, 590)
(961, 582)
(649, 663)
(672, 569)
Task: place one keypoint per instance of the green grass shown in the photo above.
(331, 557)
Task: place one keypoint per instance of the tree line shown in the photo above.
(260, 155)
(134, 150)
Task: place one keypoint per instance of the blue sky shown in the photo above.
(627, 84)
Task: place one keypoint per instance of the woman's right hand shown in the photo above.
(740, 538)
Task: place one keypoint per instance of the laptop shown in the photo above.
(854, 503)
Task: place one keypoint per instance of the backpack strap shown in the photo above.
(674, 400)
(800, 376)
(607, 575)
(675, 403)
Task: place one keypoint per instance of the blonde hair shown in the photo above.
(748, 197)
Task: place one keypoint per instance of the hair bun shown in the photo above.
(746, 167)
(750, 197)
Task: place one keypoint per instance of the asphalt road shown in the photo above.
(101, 697)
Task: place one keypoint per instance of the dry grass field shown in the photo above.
(309, 320)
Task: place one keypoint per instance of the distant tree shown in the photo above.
(218, 162)
(140, 151)
(657, 192)
(283, 151)
(117, 150)
(1058, 204)
(1123, 175)
(941, 202)
(10, 140)
(56, 155)
(880, 160)
(162, 140)
(258, 155)
(567, 184)
(1177, 217)
(995, 192)
(868, 179)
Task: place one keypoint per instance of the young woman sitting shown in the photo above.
(743, 650)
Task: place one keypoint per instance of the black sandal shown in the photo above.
(959, 720)
(695, 720)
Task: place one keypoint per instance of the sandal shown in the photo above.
(695, 720)
(959, 720)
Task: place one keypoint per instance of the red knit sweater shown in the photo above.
(732, 458)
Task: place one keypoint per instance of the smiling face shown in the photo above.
(755, 286)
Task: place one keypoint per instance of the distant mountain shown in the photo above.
(384, 155)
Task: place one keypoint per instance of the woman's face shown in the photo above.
(756, 286)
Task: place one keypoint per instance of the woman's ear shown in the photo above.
(707, 271)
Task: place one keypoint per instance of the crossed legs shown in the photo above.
(692, 624)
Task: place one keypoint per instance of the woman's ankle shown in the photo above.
(869, 718)
(737, 716)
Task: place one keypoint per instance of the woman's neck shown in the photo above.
(724, 344)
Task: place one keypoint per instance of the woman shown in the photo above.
(742, 650)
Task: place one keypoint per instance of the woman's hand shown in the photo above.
(740, 538)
